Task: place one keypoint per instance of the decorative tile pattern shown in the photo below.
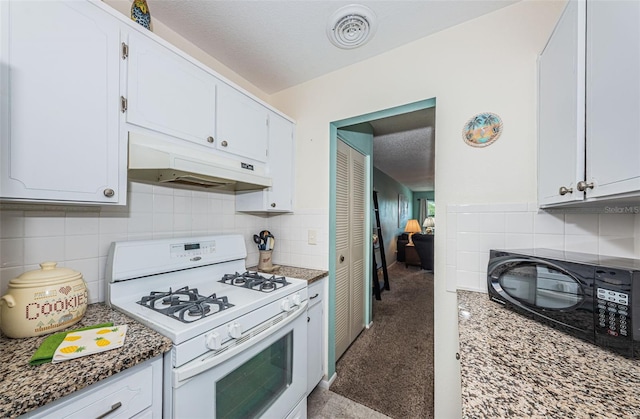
(512, 366)
(24, 387)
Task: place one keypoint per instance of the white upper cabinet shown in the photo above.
(589, 105)
(59, 107)
(242, 124)
(280, 167)
(613, 97)
(561, 73)
(169, 94)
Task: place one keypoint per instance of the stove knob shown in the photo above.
(286, 305)
(213, 341)
(235, 330)
(296, 299)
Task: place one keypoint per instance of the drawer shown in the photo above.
(121, 396)
(316, 292)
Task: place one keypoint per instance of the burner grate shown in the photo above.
(185, 304)
(255, 281)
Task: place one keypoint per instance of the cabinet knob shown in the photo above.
(224, 144)
(109, 192)
(273, 205)
(564, 190)
(210, 139)
(583, 186)
(341, 258)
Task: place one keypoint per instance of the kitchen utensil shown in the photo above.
(258, 241)
(43, 301)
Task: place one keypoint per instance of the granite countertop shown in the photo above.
(513, 366)
(24, 387)
(310, 275)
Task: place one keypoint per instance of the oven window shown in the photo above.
(541, 286)
(251, 388)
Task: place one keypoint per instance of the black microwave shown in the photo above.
(592, 297)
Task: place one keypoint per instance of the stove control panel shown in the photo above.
(192, 250)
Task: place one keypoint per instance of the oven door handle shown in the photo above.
(208, 361)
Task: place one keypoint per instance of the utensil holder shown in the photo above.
(264, 261)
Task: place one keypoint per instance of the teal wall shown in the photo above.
(388, 190)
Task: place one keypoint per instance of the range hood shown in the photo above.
(156, 160)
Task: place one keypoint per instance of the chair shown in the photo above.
(424, 247)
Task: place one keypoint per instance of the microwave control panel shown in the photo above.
(613, 312)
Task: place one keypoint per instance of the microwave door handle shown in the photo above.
(208, 361)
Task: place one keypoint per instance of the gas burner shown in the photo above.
(255, 281)
(184, 304)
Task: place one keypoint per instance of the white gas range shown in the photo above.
(239, 338)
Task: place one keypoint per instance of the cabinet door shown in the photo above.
(169, 94)
(561, 109)
(60, 103)
(613, 97)
(314, 346)
(241, 124)
(280, 167)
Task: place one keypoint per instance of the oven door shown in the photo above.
(263, 376)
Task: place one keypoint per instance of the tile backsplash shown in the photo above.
(79, 237)
(472, 230)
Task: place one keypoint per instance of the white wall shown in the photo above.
(488, 64)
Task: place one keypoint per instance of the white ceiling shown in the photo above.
(276, 44)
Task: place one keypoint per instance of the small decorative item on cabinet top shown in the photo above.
(140, 13)
(482, 130)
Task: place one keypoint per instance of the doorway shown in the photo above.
(361, 140)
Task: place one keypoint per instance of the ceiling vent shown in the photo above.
(351, 26)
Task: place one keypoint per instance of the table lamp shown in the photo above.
(412, 227)
(429, 224)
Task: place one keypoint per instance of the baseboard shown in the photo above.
(325, 384)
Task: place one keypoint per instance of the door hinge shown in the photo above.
(123, 104)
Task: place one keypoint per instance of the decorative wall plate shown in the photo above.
(482, 130)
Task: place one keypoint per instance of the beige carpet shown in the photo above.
(389, 368)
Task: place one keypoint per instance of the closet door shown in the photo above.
(350, 232)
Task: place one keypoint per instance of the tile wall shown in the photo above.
(472, 230)
(79, 238)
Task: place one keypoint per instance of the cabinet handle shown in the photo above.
(210, 139)
(583, 186)
(123, 104)
(109, 192)
(224, 144)
(564, 190)
(315, 296)
(341, 258)
(114, 407)
(308, 319)
(273, 205)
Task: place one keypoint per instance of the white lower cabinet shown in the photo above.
(136, 392)
(315, 334)
(59, 113)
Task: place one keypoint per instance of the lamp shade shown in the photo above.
(412, 226)
(429, 222)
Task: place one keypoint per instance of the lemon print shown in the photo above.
(72, 349)
(72, 338)
(103, 331)
(102, 342)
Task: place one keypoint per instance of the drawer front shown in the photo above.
(121, 396)
(316, 292)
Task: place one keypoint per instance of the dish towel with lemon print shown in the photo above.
(48, 348)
